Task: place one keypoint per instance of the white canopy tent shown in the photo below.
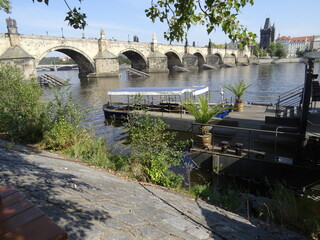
(158, 91)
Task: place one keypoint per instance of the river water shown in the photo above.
(269, 81)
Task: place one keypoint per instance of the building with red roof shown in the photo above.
(293, 44)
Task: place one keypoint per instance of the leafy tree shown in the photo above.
(280, 52)
(221, 46)
(5, 5)
(23, 117)
(75, 18)
(180, 15)
(255, 50)
(55, 60)
(262, 52)
(299, 53)
(272, 49)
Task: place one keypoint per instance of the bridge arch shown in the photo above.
(84, 62)
(215, 59)
(138, 61)
(200, 57)
(173, 59)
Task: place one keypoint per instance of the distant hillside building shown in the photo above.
(293, 44)
(267, 34)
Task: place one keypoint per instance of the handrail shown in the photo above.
(297, 95)
(292, 90)
(290, 99)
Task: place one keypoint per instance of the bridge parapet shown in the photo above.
(100, 56)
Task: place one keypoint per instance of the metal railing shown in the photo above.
(255, 144)
(289, 102)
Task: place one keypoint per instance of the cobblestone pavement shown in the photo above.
(93, 204)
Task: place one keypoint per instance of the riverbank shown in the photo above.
(90, 203)
(281, 60)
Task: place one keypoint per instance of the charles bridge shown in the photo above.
(99, 57)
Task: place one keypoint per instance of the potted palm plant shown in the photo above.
(238, 90)
(203, 113)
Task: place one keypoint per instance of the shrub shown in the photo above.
(229, 199)
(61, 136)
(152, 151)
(88, 148)
(22, 115)
(64, 119)
(200, 191)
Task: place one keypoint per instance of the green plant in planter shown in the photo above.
(203, 112)
(238, 90)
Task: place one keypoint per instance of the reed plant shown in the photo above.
(287, 209)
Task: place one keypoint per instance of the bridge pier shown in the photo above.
(157, 63)
(214, 60)
(106, 65)
(229, 60)
(190, 61)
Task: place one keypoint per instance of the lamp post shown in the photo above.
(62, 32)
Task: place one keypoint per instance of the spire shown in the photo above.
(267, 24)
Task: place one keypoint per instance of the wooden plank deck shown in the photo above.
(20, 219)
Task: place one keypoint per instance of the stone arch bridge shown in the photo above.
(99, 57)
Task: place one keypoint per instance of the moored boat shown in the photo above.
(165, 99)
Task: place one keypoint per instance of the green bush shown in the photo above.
(64, 120)
(23, 117)
(90, 149)
(61, 136)
(228, 199)
(152, 151)
(200, 191)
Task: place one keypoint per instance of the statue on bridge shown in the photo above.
(102, 34)
(12, 26)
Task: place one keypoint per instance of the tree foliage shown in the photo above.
(22, 116)
(299, 53)
(280, 52)
(272, 49)
(74, 16)
(5, 5)
(180, 15)
(263, 52)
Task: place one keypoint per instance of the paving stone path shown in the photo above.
(93, 204)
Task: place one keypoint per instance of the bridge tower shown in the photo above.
(15, 55)
(157, 62)
(106, 63)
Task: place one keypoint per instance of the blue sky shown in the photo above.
(123, 18)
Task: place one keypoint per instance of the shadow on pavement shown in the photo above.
(45, 188)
